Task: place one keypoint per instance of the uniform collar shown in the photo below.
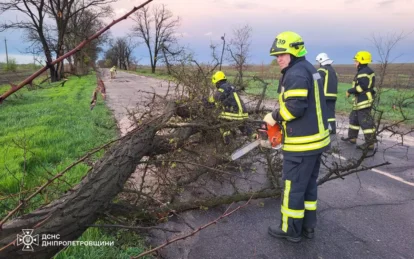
(293, 61)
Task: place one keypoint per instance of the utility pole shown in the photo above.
(222, 51)
(7, 55)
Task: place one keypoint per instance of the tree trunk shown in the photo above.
(70, 215)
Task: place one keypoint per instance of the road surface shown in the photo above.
(366, 215)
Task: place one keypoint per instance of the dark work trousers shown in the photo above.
(299, 199)
(361, 119)
(331, 115)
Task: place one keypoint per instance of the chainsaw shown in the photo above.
(267, 136)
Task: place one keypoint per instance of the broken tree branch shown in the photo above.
(225, 214)
(70, 53)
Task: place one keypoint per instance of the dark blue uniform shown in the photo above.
(304, 117)
(330, 88)
(364, 93)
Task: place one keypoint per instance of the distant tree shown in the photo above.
(239, 50)
(120, 53)
(156, 29)
(44, 35)
(81, 26)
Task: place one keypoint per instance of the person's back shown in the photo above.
(329, 80)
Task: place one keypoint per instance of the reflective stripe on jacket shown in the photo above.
(329, 81)
(303, 110)
(227, 97)
(363, 88)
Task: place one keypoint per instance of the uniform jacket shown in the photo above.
(329, 81)
(363, 88)
(303, 110)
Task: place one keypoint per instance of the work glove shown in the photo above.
(347, 94)
(269, 119)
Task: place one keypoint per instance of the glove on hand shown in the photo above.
(269, 119)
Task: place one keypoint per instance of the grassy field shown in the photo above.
(44, 131)
(400, 76)
(389, 97)
(126, 244)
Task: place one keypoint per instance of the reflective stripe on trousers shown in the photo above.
(299, 201)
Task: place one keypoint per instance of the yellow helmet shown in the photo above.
(288, 42)
(363, 57)
(218, 76)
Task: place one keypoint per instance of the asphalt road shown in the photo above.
(366, 215)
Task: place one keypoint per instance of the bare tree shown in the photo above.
(49, 35)
(120, 53)
(239, 49)
(81, 26)
(156, 29)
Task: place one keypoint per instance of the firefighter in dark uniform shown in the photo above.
(304, 117)
(228, 100)
(364, 93)
(330, 87)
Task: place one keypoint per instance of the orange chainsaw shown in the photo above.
(267, 136)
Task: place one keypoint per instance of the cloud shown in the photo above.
(208, 33)
(244, 5)
(385, 3)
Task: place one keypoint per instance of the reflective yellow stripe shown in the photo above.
(367, 131)
(359, 89)
(307, 147)
(295, 93)
(331, 95)
(353, 127)
(307, 143)
(310, 205)
(211, 99)
(233, 116)
(363, 104)
(236, 97)
(318, 107)
(285, 204)
(325, 83)
(284, 112)
(296, 214)
(331, 119)
(369, 78)
(306, 139)
(221, 90)
(360, 107)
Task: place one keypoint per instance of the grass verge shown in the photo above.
(42, 132)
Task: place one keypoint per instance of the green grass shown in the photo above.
(344, 105)
(47, 130)
(57, 127)
(126, 244)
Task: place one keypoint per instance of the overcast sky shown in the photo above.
(338, 27)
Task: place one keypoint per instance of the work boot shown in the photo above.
(350, 140)
(308, 233)
(366, 146)
(278, 233)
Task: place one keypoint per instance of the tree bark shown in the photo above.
(70, 215)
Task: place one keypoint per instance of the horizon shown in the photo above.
(336, 30)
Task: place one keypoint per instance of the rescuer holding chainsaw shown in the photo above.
(304, 117)
(227, 99)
